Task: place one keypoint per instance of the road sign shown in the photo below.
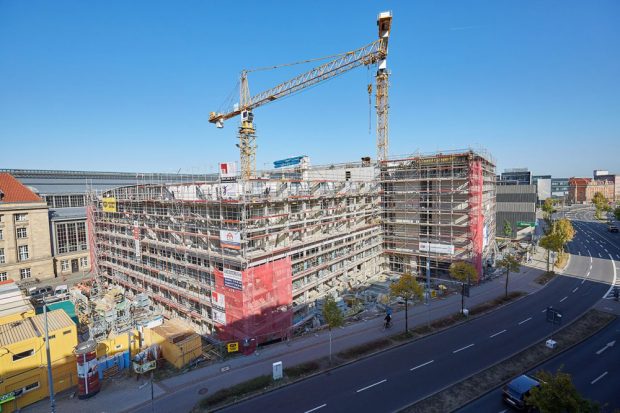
(233, 347)
(524, 224)
(554, 316)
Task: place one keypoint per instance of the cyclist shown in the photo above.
(388, 320)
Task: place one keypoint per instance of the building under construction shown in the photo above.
(242, 257)
(437, 209)
(247, 259)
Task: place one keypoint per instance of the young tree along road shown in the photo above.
(409, 289)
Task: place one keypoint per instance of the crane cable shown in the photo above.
(258, 69)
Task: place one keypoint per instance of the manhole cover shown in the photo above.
(204, 390)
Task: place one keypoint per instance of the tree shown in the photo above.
(565, 232)
(333, 318)
(551, 242)
(507, 229)
(409, 290)
(600, 203)
(509, 263)
(548, 208)
(617, 213)
(465, 273)
(557, 394)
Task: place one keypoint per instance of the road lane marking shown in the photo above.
(372, 385)
(613, 282)
(525, 321)
(543, 311)
(576, 288)
(563, 298)
(316, 408)
(421, 365)
(497, 334)
(462, 348)
(610, 344)
(599, 255)
(598, 378)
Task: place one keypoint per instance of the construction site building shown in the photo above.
(438, 209)
(247, 260)
(244, 260)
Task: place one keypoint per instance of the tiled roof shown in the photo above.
(15, 191)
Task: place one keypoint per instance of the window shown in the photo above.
(1, 236)
(2, 259)
(71, 237)
(21, 217)
(84, 262)
(23, 252)
(24, 273)
(3, 276)
(22, 355)
(22, 233)
(64, 264)
(64, 333)
(31, 387)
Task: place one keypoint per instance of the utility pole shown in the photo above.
(50, 379)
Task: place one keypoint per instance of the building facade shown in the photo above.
(559, 188)
(25, 250)
(516, 205)
(516, 176)
(582, 190)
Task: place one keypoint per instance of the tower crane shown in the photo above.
(373, 53)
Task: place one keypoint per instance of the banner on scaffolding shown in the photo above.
(228, 171)
(109, 204)
(228, 190)
(219, 317)
(233, 279)
(230, 239)
(218, 300)
(437, 248)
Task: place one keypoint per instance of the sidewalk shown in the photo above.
(187, 389)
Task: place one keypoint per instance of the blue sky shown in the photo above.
(128, 86)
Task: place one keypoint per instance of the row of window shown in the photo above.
(21, 233)
(22, 252)
(65, 201)
(65, 264)
(23, 273)
(71, 237)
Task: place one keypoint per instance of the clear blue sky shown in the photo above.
(128, 85)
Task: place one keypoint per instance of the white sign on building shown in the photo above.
(230, 239)
(437, 248)
(219, 317)
(233, 279)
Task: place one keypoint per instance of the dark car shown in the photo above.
(514, 393)
(612, 228)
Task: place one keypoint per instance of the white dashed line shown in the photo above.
(372, 385)
(525, 321)
(563, 298)
(497, 334)
(421, 365)
(462, 348)
(576, 288)
(544, 311)
(598, 378)
(316, 408)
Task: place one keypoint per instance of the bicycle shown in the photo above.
(387, 325)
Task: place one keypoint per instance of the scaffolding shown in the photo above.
(437, 209)
(215, 251)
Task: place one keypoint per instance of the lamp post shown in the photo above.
(50, 379)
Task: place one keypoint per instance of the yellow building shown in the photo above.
(178, 342)
(23, 360)
(25, 249)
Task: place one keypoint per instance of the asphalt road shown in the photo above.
(595, 373)
(397, 377)
(594, 368)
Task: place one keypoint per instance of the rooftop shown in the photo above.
(13, 191)
(32, 327)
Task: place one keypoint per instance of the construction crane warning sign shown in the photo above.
(109, 204)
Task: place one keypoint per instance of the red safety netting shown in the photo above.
(476, 217)
(261, 311)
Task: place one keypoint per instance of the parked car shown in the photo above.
(612, 228)
(38, 292)
(514, 393)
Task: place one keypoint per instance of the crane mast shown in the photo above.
(373, 53)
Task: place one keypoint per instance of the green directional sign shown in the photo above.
(524, 224)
